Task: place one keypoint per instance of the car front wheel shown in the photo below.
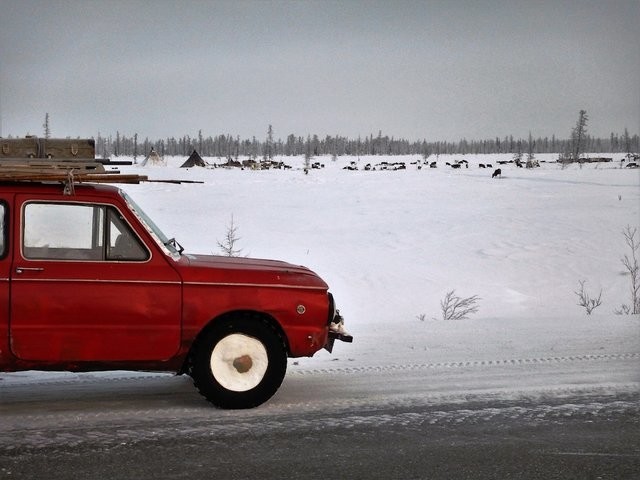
(240, 363)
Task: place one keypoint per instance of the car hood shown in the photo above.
(247, 271)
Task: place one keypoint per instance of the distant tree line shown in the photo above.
(227, 146)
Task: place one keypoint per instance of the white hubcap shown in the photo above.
(239, 362)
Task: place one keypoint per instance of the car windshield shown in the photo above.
(170, 245)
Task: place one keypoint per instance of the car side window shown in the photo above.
(123, 244)
(68, 231)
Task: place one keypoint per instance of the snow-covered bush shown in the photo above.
(585, 300)
(457, 308)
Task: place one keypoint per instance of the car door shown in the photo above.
(88, 287)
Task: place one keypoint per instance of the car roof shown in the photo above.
(56, 187)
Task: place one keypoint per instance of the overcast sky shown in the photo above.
(432, 69)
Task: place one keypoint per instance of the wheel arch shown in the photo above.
(228, 316)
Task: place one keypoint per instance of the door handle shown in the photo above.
(29, 269)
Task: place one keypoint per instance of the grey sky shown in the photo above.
(433, 69)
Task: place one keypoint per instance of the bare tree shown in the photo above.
(268, 147)
(578, 135)
(584, 300)
(456, 308)
(631, 264)
(46, 126)
(531, 158)
(228, 246)
(627, 141)
(135, 148)
(307, 155)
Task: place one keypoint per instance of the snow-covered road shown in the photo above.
(111, 408)
(571, 406)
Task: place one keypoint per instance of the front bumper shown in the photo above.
(336, 328)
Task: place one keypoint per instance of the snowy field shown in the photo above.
(391, 244)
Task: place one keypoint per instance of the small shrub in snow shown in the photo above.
(623, 310)
(228, 246)
(457, 308)
(585, 300)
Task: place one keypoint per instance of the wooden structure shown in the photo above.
(66, 161)
(66, 173)
(53, 148)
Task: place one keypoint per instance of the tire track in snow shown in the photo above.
(467, 364)
(8, 382)
(105, 378)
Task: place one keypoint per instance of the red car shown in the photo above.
(90, 283)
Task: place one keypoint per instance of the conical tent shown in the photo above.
(153, 159)
(194, 160)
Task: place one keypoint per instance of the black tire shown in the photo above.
(239, 363)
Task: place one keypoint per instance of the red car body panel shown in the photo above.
(223, 284)
(80, 315)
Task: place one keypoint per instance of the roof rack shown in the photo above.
(75, 171)
(69, 173)
(50, 163)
